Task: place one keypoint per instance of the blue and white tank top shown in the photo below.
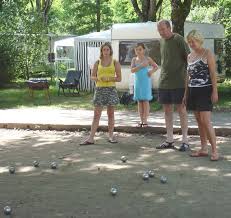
(199, 75)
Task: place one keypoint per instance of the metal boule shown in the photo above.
(163, 179)
(151, 173)
(145, 176)
(36, 163)
(113, 191)
(12, 170)
(54, 165)
(124, 159)
(7, 210)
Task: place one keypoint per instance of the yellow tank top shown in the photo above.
(108, 71)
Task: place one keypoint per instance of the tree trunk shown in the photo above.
(180, 11)
(1, 5)
(98, 15)
(148, 9)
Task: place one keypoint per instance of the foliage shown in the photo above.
(123, 11)
(79, 17)
(23, 35)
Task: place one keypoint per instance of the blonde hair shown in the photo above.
(194, 34)
(108, 44)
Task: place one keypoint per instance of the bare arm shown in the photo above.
(94, 72)
(118, 72)
(213, 75)
(154, 66)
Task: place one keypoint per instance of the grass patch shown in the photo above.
(18, 97)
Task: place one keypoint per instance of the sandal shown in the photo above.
(214, 157)
(199, 153)
(86, 142)
(145, 125)
(139, 125)
(165, 145)
(112, 140)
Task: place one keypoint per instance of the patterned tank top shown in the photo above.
(199, 75)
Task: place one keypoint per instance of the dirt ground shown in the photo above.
(80, 187)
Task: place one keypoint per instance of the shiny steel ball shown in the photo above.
(36, 163)
(113, 191)
(163, 179)
(54, 165)
(12, 170)
(123, 159)
(145, 176)
(151, 173)
(7, 210)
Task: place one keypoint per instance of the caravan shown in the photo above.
(124, 37)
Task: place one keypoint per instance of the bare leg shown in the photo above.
(202, 132)
(206, 121)
(168, 114)
(183, 121)
(146, 109)
(111, 120)
(140, 110)
(95, 122)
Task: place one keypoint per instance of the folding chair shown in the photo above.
(71, 83)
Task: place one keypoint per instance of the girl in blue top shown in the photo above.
(143, 67)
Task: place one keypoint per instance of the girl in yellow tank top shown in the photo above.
(106, 73)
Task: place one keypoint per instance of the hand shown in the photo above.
(144, 64)
(150, 72)
(184, 101)
(214, 97)
(104, 79)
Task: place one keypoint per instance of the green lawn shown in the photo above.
(19, 97)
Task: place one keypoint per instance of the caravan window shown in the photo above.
(127, 52)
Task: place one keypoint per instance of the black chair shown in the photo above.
(71, 83)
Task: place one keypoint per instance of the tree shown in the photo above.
(148, 9)
(180, 11)
(42, 7)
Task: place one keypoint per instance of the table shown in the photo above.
(38, 84)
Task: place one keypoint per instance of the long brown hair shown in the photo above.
(108, 44)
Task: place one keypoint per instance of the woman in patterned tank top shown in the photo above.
(201, 92)
(106, 72)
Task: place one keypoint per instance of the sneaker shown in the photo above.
(165, 145)
(184, 147)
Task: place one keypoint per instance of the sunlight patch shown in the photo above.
(160, 200)
(166, 151)
(182, 193)
(106, 167)
(26, 169)
(148, 194)
(4, 169)
(206, 169)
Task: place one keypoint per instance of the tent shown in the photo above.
(85, 53)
